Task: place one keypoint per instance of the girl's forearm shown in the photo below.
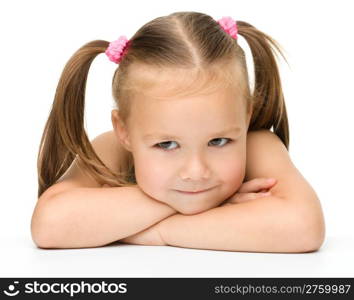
(91, 217)
(268, 224)
(148, 237)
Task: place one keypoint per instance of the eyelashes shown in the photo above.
(163, 144)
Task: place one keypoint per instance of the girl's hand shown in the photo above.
(252, 189)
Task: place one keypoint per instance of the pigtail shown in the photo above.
(64, 137)
(268, 100)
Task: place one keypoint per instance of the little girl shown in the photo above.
(191, 160)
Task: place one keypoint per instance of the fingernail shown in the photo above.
(270, 180)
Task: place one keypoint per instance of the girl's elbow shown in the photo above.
(42, 225)
(308, 224)
(40, 233)
(39, 236)
(313, 235)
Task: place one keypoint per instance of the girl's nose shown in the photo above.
(195, 169)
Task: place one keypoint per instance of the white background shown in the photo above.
(38, 38)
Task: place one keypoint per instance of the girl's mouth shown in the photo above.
(192, 193)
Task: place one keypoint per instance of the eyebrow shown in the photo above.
(161, 135)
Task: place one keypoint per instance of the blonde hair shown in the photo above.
(190, 41)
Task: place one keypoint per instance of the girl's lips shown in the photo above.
(199, 192)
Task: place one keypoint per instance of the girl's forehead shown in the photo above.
(216, 105)
(186, 116)
(181, 82)
(203, 112)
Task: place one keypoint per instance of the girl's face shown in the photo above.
(188, 152)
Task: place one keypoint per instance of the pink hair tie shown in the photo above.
(229, 26)
(117, 49)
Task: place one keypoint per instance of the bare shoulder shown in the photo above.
(267, 156)
(262, 144)
(110, 152)
(108, 149)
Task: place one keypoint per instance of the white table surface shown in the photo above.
(21, 258)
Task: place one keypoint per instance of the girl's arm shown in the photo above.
(268, 224)
(92, 217)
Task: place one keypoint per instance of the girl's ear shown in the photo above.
(120, 130)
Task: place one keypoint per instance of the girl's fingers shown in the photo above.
(243, 197)
(257, 184)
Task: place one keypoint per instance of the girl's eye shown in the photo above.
(227, 140)
(167, 145)
(163, 144)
